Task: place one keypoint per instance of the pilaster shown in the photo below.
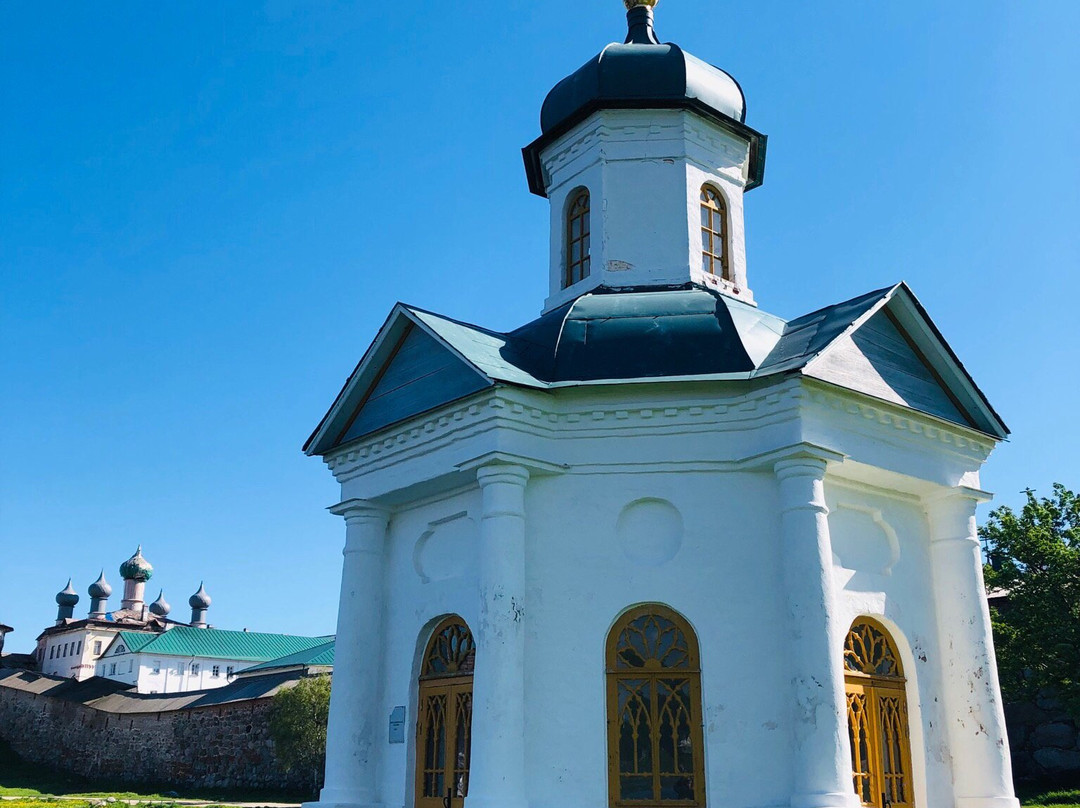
(353, 738)
(497, 777)
(822, 754)
(982, 770)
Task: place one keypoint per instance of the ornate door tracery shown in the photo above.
(877, 717)
(444, 724)
(655, 745)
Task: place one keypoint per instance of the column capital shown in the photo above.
(803, 455)
(951, 512)
(360, 510)
(502, 473)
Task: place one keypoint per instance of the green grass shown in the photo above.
(18, 778)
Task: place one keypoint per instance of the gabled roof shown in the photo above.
(133, 640)
(421, 360)
(215, 643)
(314, 657)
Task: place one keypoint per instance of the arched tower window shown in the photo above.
(655, 746)
(714, 233)
(577, 239)
(444, 728)
(877, 717)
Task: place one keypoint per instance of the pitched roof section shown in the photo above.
(881, 344)
(315, 657)
(133, 640)
(214, 643)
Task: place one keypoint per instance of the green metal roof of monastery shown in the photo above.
(316, 656)
(217, 643)
(136, 640)
(683, 333)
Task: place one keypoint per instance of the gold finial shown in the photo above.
(635, 3)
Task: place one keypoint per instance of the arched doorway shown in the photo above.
(444, 706)
(877, 717)
(655, 746)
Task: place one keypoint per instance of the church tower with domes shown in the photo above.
(659, 547)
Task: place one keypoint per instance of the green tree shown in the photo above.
(1034, 557)
(298, 719)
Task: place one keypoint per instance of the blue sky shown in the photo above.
(207, 210)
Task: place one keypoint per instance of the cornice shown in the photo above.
(929, 429)
(597, 411)
(564, 416)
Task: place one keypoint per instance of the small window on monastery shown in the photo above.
(215, 671)
(79, 649)
(52, 651)
(577, 239)
(112, 669)
(194, 668)
(97, 647)
(157, 666)
(121, 650)
(714, 235)
(229, 671)
(655, 743)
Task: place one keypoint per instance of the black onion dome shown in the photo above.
(67, 596)
(160, 607)
(640, 75)
(136, 568)
(100, 588)
(643, 73)
(200, 600)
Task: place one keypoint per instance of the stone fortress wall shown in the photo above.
(1044, 739)
(219, 745)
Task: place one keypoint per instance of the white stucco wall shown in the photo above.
(702, 457)
(644, 170)
(157, 673)
(80, 661)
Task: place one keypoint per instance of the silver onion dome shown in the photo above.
(100, 588)
(67, 596)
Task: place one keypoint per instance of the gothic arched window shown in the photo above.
(444, 728)
(577, 239)
(714, 233)
(655, 745)
(877, 717)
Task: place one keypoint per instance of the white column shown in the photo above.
(356, 727)
(979, 746)
(497, 776)
(822, 754)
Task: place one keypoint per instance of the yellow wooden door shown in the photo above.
(880, 743)
(443, 733)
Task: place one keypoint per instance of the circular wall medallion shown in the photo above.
(650, 531)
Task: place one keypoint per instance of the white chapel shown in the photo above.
(659, 547)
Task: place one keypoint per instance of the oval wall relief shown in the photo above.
(445, 549)
(650, 531)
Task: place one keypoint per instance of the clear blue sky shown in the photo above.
(207, 209)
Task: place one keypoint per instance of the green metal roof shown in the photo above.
(656, 333)
(217, 643)
(316, 656)
(136, 640)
